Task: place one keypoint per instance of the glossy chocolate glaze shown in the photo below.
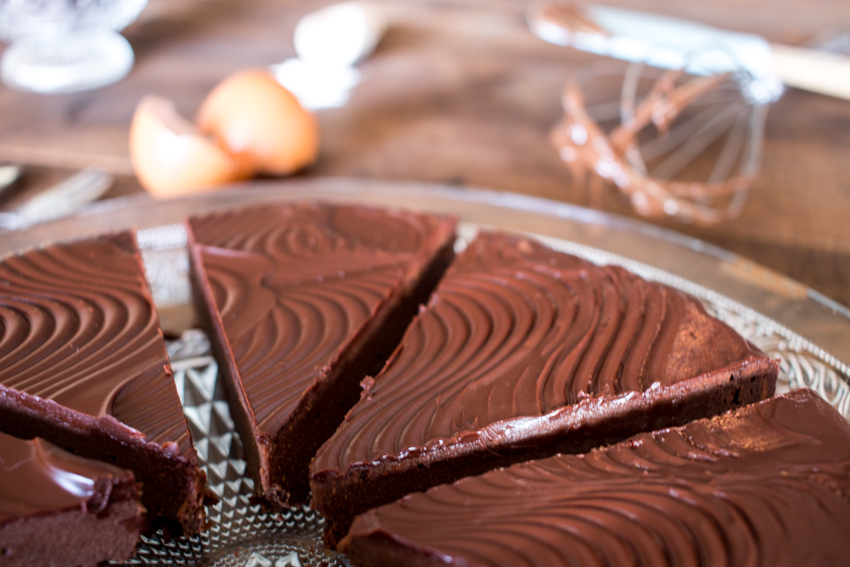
(38, 477)
(62, 510)
(79, 328)
(515, 330)
(294, 283)
(763, 486)
(299, 293)
(83, 364)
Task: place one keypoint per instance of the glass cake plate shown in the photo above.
(807, 331)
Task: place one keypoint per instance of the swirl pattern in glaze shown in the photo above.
(302, 301)
(83, 364)
(516, 329)
(764, 486)
(293, 284)
(78, 327)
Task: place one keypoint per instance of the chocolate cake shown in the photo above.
(83, 365)
(302, 301)
(524, 352)
(763, 486)
(61, 510)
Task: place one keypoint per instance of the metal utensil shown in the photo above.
(60, 200)
(670, 43)
(677, 126)
(674, 144)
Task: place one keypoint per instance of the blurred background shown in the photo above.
(462, 93)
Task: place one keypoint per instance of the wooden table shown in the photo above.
(461, 93)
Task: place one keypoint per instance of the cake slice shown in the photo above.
(763, 486)
(302, 301)
(524, 352)
(61, 510)
(84, 366)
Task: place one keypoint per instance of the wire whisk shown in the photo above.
(674, 143)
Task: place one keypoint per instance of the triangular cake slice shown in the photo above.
(524, 352)
(766, 485)
(83, 365)
(303, 301)
(62, 510)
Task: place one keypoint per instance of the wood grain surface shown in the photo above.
(461, 93)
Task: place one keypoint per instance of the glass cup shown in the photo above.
(60, 46)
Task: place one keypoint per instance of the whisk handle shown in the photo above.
(812, 70)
